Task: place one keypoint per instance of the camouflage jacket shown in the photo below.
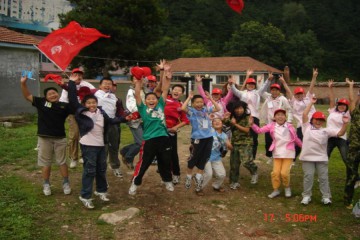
(354, 128)
(239, 137)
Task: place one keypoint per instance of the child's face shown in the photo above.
(250, 86)
(318, 123)
(151, 101)
(341, 107)
(239, 111)
(176, 93)
(106, 85)
(275, 92)
(52, 96)
(280, 118)
(217, 124)
(198, 103)
(91, 104)
(299, 96)
(216, 96)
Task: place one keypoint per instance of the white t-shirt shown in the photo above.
(96, 136)
(64, 94)
(334, 120)
(298, 108)
(107, 101)
(282, 139)
(315, 140)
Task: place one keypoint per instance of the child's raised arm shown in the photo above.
(138, 83)
(313, 80)
(351, 94)
(305, 116)
(216, 105)
(288, 91)
(331, 93)
(160, 67)
(184, 106)
(342, 131)
(165, 81)
(25, 90)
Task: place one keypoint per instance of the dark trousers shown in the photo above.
(352, 173)
(131, 150)
(112, 146)
(255, 138)
(175, 166)
(268, 142)
(94, 168)
(159, 147)
(200, 152)
(297, 148)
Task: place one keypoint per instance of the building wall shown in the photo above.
(13, 61)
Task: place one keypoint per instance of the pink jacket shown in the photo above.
(271, 128)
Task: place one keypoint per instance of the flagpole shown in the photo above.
(51, 60)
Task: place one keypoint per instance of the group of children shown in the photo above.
(209, 114)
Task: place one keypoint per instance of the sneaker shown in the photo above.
(73, 163)
(326, 201)
(198, 183)
(169, 186)
(132, 189)
(176, 179)
(254, 178)
(234, 186)
(103, 196)
(287, 192)
(306, 200)
(275, 193)
(269, 161)
(66, 188)
(117, 173)
(87, 202)
(357, 184)
(187, 182)
(81, 160)
(46, 189)
(154, 162)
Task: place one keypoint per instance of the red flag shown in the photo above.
(62, 45)
(236, 5)
(56, 78)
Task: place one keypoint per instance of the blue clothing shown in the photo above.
(200, 122)
(219, 144)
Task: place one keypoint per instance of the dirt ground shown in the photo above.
(235, 214)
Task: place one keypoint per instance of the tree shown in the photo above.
(294, 18)
(262, 42)
(132, 25)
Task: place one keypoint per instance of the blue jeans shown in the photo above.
(131, 150)
(94, 168)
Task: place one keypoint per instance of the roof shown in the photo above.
(10, 36)
(220, 64)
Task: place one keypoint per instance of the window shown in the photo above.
(221, 79)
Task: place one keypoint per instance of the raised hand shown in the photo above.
(282, 79)
(249, 72)
(233, 121)
(313, 99)
(227, 115)
(167, 69)
(23, 79)
(208, 95)
(198, 78)
(331, 83)
(315, 72)
(231, 79)
(350, 82)
(160, 65)
(271, 76)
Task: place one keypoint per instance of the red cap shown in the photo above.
(298, 90)
(275, 85)
(343, 101)
(279, 110)
(319, 115)
(250, 80)
(77, 70)
(216, 91)
(151, 78)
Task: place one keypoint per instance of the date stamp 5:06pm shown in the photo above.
(290, 217)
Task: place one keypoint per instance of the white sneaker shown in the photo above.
(306, 200)
(66, 188)
(269, 161)
(81, 160)
(46, 189)
(288, 192)
(254, 178)
(103, 196)
(326, 201)
(187, 182)
(132, 189)
(169, 186)
(275, 193)
(73, 163)
(117, 173)
(176, 179)
(357, 184)
(87, 202)
(234, 186)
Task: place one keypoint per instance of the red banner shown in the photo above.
(236, 5)
(62, 45)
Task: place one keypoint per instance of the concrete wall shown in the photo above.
(12, 62)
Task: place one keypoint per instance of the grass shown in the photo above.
(30, 215)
